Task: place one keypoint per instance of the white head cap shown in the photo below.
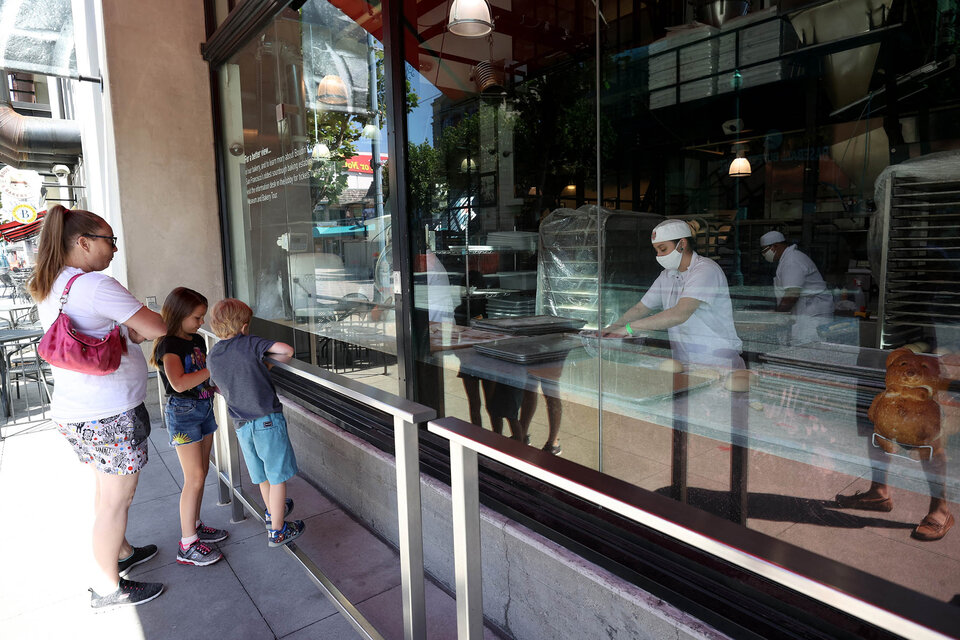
(670, 230)
(771, 237)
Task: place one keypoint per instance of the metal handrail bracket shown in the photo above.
(407, 416)
(468, 440)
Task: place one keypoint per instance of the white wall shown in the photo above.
(159, 101)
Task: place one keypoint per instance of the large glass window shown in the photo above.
(708, 248)
(309, 212)
(687, 259)
(502, 152)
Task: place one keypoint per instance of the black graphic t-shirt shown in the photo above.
(193, 355)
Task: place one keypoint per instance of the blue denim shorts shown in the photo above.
(267, 449)
(189, 419)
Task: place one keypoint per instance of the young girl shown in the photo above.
(180, 357)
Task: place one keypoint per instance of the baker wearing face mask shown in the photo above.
(694, 302)
(799, 288)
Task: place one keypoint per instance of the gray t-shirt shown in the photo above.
(237, 369)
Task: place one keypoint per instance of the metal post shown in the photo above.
(220, 443)
(465, 496)
(410, 523)
(227, 460)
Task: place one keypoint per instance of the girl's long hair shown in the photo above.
(179, 304)
(61, 228)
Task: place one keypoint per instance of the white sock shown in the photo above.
(199, 522)
(186, 542)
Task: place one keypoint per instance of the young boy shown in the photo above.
(237, 369)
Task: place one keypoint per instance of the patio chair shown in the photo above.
(24, 365)
(8, 288)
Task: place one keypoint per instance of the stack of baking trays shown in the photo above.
(818, 377)
(530, 349)
(538, 338)
(529, 325)
(511, 306)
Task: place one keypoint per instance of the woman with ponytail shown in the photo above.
(103, 417)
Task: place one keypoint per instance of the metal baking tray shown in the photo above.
(530, 349)
(529, 325)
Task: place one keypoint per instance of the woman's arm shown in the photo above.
(619, 328)
(677, 314)
(147, 324)
(180, 381)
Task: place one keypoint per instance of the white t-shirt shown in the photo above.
(95, 303)
(708, 336)
(797, 271)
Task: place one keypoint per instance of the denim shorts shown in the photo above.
(189, 419)
(267, 449)
(116, 445)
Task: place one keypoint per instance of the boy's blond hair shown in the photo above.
(228, 317)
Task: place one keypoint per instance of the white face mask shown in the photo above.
(769, 255)
(672, 259)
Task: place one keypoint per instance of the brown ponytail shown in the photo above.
(61, 228)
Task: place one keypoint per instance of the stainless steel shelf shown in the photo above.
(920, 283)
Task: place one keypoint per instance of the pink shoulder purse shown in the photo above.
(65, 347)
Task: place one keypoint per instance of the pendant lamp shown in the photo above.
(470, 18)
(740, 167)
(332, 90)
(320, 152)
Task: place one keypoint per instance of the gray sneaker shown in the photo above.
(128, 593)
(209, 534)
(198, 554)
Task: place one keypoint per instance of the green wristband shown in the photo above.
(627, 327)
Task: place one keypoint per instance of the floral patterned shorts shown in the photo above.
(116, 445)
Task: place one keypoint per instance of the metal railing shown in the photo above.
(407, 417)
(467, 441)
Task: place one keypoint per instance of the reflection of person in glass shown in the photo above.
(799, 287)
(915, 416)
(694, 299)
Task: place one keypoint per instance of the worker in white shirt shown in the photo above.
(799, 288)
(694, 302)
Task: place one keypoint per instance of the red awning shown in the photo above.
(14, 231)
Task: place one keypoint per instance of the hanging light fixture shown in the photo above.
(332, 90)
(320, 152)
(371, 132)
(467, 165)
(470, 18)
(740, 167)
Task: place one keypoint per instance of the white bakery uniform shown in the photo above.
(708, 336)
(814, 307)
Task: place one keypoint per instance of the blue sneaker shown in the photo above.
(290, 532)
(287, 508)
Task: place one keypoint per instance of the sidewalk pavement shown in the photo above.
(254, 592)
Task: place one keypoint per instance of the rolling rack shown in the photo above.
(920, 263)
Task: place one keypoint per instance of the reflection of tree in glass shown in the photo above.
(556, 132)
(427, 184)
(339, 132)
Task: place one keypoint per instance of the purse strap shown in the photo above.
(66, 291)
